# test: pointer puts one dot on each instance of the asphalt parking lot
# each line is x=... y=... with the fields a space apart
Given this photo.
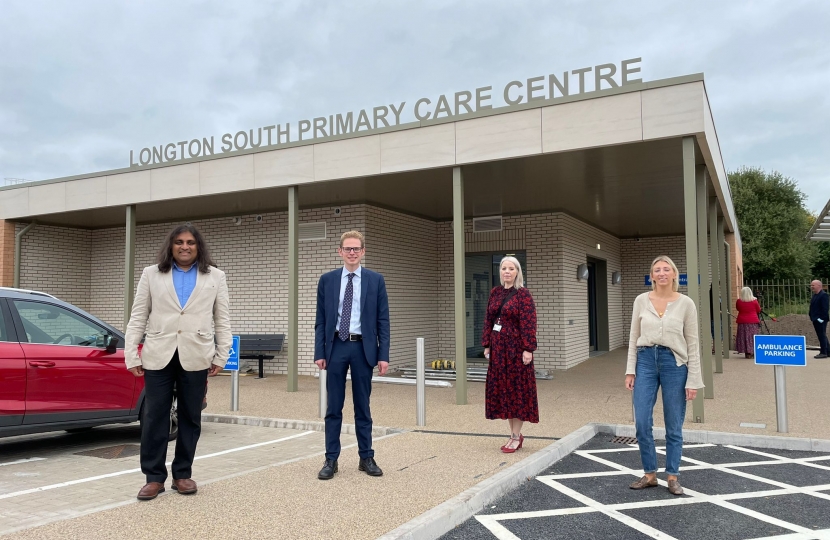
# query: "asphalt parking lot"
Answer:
x=55 y=476
x=732 y=493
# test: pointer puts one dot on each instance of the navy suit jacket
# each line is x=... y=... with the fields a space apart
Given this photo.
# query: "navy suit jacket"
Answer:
x=820 y=306
x=374 y=315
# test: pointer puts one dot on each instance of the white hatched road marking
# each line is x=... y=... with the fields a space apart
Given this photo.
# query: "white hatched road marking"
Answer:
x=130 y=471
x=492 y=521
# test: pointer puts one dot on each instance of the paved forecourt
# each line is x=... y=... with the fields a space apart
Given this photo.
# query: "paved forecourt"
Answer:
x=55 y=476
x=732 y=492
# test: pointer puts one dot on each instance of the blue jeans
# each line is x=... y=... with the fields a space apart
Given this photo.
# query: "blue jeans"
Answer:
x=657 y=367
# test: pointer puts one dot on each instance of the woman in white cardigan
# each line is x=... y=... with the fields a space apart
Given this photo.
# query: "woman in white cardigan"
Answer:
x=663 y=352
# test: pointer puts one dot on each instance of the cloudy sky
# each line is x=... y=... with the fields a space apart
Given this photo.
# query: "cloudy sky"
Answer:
x=84 y=82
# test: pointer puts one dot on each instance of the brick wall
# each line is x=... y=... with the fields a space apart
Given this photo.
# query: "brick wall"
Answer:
x=405 y=250
x=6 y=253
x=56 y=260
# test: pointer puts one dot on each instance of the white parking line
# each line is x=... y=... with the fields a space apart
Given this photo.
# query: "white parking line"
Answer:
x=27 y=460
x=130 y=471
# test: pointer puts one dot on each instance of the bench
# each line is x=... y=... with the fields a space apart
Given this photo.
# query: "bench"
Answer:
x=259 y=344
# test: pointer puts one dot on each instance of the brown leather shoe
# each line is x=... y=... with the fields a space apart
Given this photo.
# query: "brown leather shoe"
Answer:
x=674 y=487
x=643 y=483
x=184 y=486
x=150 y=491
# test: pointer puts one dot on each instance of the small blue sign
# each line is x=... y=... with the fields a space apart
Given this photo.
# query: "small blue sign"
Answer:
x=233 y=360
x=684 y=280
x=780 y=350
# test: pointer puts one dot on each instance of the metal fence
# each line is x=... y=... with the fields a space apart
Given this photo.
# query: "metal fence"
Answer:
x=779 y=297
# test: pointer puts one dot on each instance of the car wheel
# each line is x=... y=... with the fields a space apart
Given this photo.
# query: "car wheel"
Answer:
x=79 y=430
x=174 y=423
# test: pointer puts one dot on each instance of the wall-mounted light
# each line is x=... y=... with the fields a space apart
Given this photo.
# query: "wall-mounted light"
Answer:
x=582 y=272
x=598 y=247
x=616 y=278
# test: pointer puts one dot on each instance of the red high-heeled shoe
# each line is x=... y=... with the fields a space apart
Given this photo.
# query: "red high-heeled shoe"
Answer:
x=507 y=450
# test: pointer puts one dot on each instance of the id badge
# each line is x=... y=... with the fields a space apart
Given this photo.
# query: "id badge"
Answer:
x=497 y=327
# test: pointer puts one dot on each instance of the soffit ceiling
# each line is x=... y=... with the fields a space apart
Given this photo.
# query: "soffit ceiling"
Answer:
x=628 y=190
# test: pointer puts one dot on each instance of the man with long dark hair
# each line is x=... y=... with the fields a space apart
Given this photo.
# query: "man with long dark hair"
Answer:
x=180 y=304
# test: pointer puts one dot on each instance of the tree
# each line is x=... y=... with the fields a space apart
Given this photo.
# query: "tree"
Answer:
x=773 y=223
x=821 y=264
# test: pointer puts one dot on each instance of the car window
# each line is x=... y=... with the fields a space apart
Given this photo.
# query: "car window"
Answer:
x=50 y=324
x=3 y=334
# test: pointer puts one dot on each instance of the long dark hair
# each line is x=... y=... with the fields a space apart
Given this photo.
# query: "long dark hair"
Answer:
x=203 y=260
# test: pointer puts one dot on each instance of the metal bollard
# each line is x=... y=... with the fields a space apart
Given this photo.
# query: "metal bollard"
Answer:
x=420 y=383
x=781 y=399
x=234 y=390
x=324 y=396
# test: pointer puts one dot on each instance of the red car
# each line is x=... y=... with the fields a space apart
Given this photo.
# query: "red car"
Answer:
x=62 y=369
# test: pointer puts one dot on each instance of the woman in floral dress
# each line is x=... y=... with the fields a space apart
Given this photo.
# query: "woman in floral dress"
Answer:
x=509 y=341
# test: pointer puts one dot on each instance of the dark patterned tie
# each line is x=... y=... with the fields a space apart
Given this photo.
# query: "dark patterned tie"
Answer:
x=346 y=315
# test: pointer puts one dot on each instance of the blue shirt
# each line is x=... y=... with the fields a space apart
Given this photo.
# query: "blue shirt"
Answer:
x=184 y=282
x=354 y=324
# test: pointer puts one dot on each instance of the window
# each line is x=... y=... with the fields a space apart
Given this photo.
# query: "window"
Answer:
x=54 y=325
x=3 y=333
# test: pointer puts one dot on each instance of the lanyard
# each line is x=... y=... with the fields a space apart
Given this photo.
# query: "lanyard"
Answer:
x=507 y=297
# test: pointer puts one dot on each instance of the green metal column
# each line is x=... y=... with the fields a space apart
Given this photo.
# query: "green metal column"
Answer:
x=701 y=178
x=690 y=218
x=458 y=286
x=728 y=296
x=129 y=264
x=18 y=250
x=293 y=286
x=724 y=288
x=717 y=308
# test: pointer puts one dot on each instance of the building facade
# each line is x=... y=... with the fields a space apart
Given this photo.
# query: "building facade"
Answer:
x=600 y=183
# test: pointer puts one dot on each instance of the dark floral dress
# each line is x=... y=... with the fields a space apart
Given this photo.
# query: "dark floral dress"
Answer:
x=511 y=385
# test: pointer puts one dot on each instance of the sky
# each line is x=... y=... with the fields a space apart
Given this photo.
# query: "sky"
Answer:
x=84 y=82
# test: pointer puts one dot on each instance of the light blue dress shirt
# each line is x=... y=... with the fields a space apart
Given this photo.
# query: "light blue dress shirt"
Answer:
x=354 y=323
x=184 y=282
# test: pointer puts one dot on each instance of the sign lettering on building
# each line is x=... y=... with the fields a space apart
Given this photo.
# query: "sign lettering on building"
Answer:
x=553 y=86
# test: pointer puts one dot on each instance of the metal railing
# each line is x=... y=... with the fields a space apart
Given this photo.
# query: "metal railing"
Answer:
x=780 y=297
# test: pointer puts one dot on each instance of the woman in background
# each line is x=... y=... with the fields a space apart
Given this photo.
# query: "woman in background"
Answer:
x=509 y=339
x=748 y=322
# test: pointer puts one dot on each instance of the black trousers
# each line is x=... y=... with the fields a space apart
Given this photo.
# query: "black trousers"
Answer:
x=155 y=426
x=821 y=333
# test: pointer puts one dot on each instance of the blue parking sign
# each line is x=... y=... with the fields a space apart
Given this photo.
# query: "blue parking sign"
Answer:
x=683 y=280
x=780 y=350
x=233 y=360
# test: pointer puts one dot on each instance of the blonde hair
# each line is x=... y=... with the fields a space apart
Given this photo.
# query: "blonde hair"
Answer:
x=675 y=282
x=746 y=295
x=351 y=234
x=519 y=282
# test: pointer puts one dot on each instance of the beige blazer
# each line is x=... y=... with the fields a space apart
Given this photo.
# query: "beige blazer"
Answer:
x=170 y=326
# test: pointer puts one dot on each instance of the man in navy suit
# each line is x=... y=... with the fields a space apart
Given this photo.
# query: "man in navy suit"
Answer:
x=819 y=313
x=351 y=333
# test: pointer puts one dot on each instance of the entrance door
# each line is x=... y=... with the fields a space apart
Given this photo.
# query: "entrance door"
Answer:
x=592 y=306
